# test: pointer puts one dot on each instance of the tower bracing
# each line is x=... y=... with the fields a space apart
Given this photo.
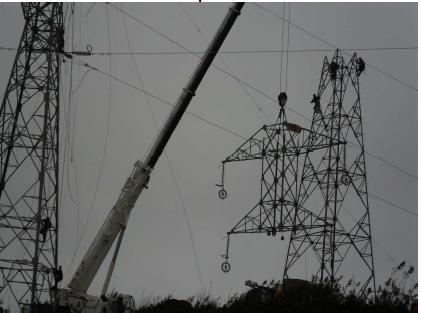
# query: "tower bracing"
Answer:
x=280 y=149
x=29 y=124
x=339 y=172
x=314 y=182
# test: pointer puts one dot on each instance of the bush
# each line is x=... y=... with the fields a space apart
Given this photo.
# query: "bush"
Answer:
x=302 y=296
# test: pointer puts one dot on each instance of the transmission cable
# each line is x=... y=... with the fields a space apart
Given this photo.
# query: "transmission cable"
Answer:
x=178 y=189
x=89 y=9
x=382 y=249
x=219 y=68
x=85 y=64
x=392 y=204
x=82 y=80
x=104 y=151
x=333 y=46
x=106 y=53
x=214 y=124
x=223 y=61
x=210 y=122
x=69 y=143
x=198 y=56
x=233 y=76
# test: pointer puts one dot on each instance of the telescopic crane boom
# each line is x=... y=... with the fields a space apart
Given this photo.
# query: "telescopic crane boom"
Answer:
x=118 y=217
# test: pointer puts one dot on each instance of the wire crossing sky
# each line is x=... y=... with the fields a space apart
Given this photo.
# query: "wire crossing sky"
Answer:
x=165 y=45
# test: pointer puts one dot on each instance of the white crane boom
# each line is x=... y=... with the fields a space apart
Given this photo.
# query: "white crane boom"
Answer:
x=118 y=217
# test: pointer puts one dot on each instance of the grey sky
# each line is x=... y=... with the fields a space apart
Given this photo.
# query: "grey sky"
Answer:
x=156 y=257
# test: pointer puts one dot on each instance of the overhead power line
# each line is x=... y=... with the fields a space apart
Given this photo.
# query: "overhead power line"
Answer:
x=195 y=115
x=214 y=124
x=333 y=46
x=222 y=59
x=264 y=51
x=238 y=79
x=252 y=51
x=393 y=204
x=95 y=69
x=172 y=172
x=107 y=130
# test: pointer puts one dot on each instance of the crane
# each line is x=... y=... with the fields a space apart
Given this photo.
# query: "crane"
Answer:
x=114 y=226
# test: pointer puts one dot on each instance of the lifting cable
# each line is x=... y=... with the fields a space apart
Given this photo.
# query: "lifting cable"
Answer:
x=223 y=61
x=213 y=65
x=81 y=63
x=286 y=70
x=104 y=152
x=282 y=46
x=68 y=142
x=178 y=189
x=286 y=6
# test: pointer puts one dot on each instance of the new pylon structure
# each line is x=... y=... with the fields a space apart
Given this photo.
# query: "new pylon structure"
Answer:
x=29 y=124
x=314 y=182
x=280 y=149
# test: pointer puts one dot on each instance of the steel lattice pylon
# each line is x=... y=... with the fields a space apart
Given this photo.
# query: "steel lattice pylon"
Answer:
x=281 y=149
x=315 y=187
x=340 y=174
x=29 y=123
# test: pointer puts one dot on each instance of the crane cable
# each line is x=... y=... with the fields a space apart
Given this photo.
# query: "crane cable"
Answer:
x=209 y=122
x=287 y=55
x=213 y=65
x=68 y=143
x=282 y=48
x=104 y=152
x=223 y=61
x=172 y=172
x=334 y=47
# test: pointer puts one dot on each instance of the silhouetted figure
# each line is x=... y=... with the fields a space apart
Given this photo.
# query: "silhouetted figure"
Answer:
x=58 y=276
x=282 y=99
x=333 y=68
x=361 y=66
x=316 y=101
x=60 y=39
x=45 y=226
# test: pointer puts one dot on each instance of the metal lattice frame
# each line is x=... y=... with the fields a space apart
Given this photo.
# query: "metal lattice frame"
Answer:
x=29 y=124
x=281 y=149
x=313 y=182
x=339 y=173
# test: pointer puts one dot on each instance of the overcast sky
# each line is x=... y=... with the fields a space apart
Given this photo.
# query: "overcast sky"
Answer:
x=156 y=257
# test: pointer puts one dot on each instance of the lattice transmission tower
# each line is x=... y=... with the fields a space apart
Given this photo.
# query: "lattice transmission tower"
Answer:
x=280 y=148
x=340 y=174
x=313 y=181
x=29 y=124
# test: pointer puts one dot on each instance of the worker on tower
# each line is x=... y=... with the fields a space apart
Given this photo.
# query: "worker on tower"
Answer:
x=58 y=276
x=316 y=101
x=361 y=66
x=60 y=42
x=333 y=68
x=60 y=39
x=282 y=99
x=45 y=226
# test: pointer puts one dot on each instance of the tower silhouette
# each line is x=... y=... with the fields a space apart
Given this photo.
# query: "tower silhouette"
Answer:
x=313 y=181
x=29 y=123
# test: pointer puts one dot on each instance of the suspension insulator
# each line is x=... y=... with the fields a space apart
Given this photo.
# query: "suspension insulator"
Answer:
x=345 y=179
x=225 y=267
x=222 y=194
